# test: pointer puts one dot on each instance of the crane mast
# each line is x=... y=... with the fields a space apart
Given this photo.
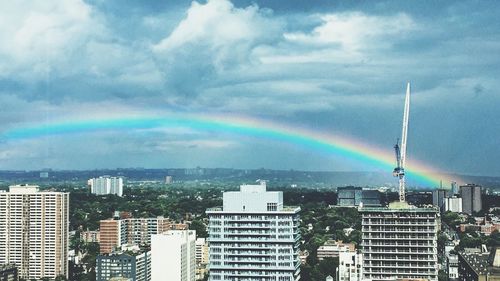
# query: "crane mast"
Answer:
x=399 y=171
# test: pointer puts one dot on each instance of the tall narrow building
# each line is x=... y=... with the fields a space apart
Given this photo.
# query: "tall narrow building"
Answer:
x=253 y=237
x=399 y=242
x=34 y=231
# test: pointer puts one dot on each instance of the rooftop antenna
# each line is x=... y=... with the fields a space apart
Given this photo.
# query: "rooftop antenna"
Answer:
x=399 y=171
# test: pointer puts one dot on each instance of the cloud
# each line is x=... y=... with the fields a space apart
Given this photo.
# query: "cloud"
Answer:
x=213 y=40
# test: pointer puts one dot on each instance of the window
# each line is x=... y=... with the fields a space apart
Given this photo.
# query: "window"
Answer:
x=272 y=206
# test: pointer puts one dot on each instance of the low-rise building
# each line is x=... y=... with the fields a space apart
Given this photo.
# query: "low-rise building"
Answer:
x=478 y=265
x=90 y=236
x=8 y=272
x=129 y=263
x=331 y=249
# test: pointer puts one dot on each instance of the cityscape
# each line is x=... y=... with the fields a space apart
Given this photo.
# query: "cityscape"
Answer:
x=242 y=140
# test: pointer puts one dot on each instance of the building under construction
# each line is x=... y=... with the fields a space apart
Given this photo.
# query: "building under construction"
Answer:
x=400 y=241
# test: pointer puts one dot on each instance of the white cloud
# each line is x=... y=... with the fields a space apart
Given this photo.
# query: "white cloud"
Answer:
x=38 y=36
x=354 y=31
x=218 y=36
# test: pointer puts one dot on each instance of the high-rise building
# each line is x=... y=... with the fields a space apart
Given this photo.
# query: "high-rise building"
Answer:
x=173 y=256
x=399 y=241
x=438 y=198
x=8 y=273
x=453 y=204
x=34 y=231
x=201 y=256
x=134 y=265
x=134 y=231
x=106 y=185
x=253 y=237
x=350 y=196
x=350 y=266
x=471 y=198
x=111 y=235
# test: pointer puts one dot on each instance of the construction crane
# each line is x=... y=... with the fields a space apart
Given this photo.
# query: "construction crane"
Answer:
x=399 y=171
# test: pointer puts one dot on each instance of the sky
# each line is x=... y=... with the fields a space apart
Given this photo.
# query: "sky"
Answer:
x=339 y=67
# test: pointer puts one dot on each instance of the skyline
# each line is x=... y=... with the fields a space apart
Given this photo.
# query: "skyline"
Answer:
x=334 y=69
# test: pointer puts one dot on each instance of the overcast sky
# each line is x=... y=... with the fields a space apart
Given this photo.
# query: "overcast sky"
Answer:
x=334 y=66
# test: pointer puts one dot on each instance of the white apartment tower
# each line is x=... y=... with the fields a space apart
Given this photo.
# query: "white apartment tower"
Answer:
x=173 y=256
x=34 y=231
x=106 y=185
x=399 y=242
x=253 y=237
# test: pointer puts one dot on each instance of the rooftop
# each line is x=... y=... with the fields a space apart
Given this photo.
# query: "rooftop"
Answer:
x=399 y=207
x=480 y=263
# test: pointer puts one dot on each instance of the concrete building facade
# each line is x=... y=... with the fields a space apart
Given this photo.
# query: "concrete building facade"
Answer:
x=399 y=242
x=254 y=237
x=471 y=198
x=173 y=256
x=34 y=231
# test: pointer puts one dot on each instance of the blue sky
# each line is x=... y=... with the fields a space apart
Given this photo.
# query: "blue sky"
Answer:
x=338 y=66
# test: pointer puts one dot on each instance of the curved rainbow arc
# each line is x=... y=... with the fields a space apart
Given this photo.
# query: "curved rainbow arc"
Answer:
x=342 y=146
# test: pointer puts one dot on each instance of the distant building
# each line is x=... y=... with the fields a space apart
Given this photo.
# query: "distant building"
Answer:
x=454 y=189
x=34 y=231
x=90 y=236
x=399 y=242
x=8 y=273
x=132 y=265
x=44 y=175
x=332 y=249
x=303 y=256
x=106 y=185
x=471 y=198
x=478 y=266
x=350 y=266
x=169 y=179
x=173 y=256
x=201 y=255
x=438 y=198
x=350 y=196
x=134 y=231
x=453 y=204
x=254 y=237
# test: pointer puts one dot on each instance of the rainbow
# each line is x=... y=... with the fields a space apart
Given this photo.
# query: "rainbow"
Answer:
x=348 y=148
